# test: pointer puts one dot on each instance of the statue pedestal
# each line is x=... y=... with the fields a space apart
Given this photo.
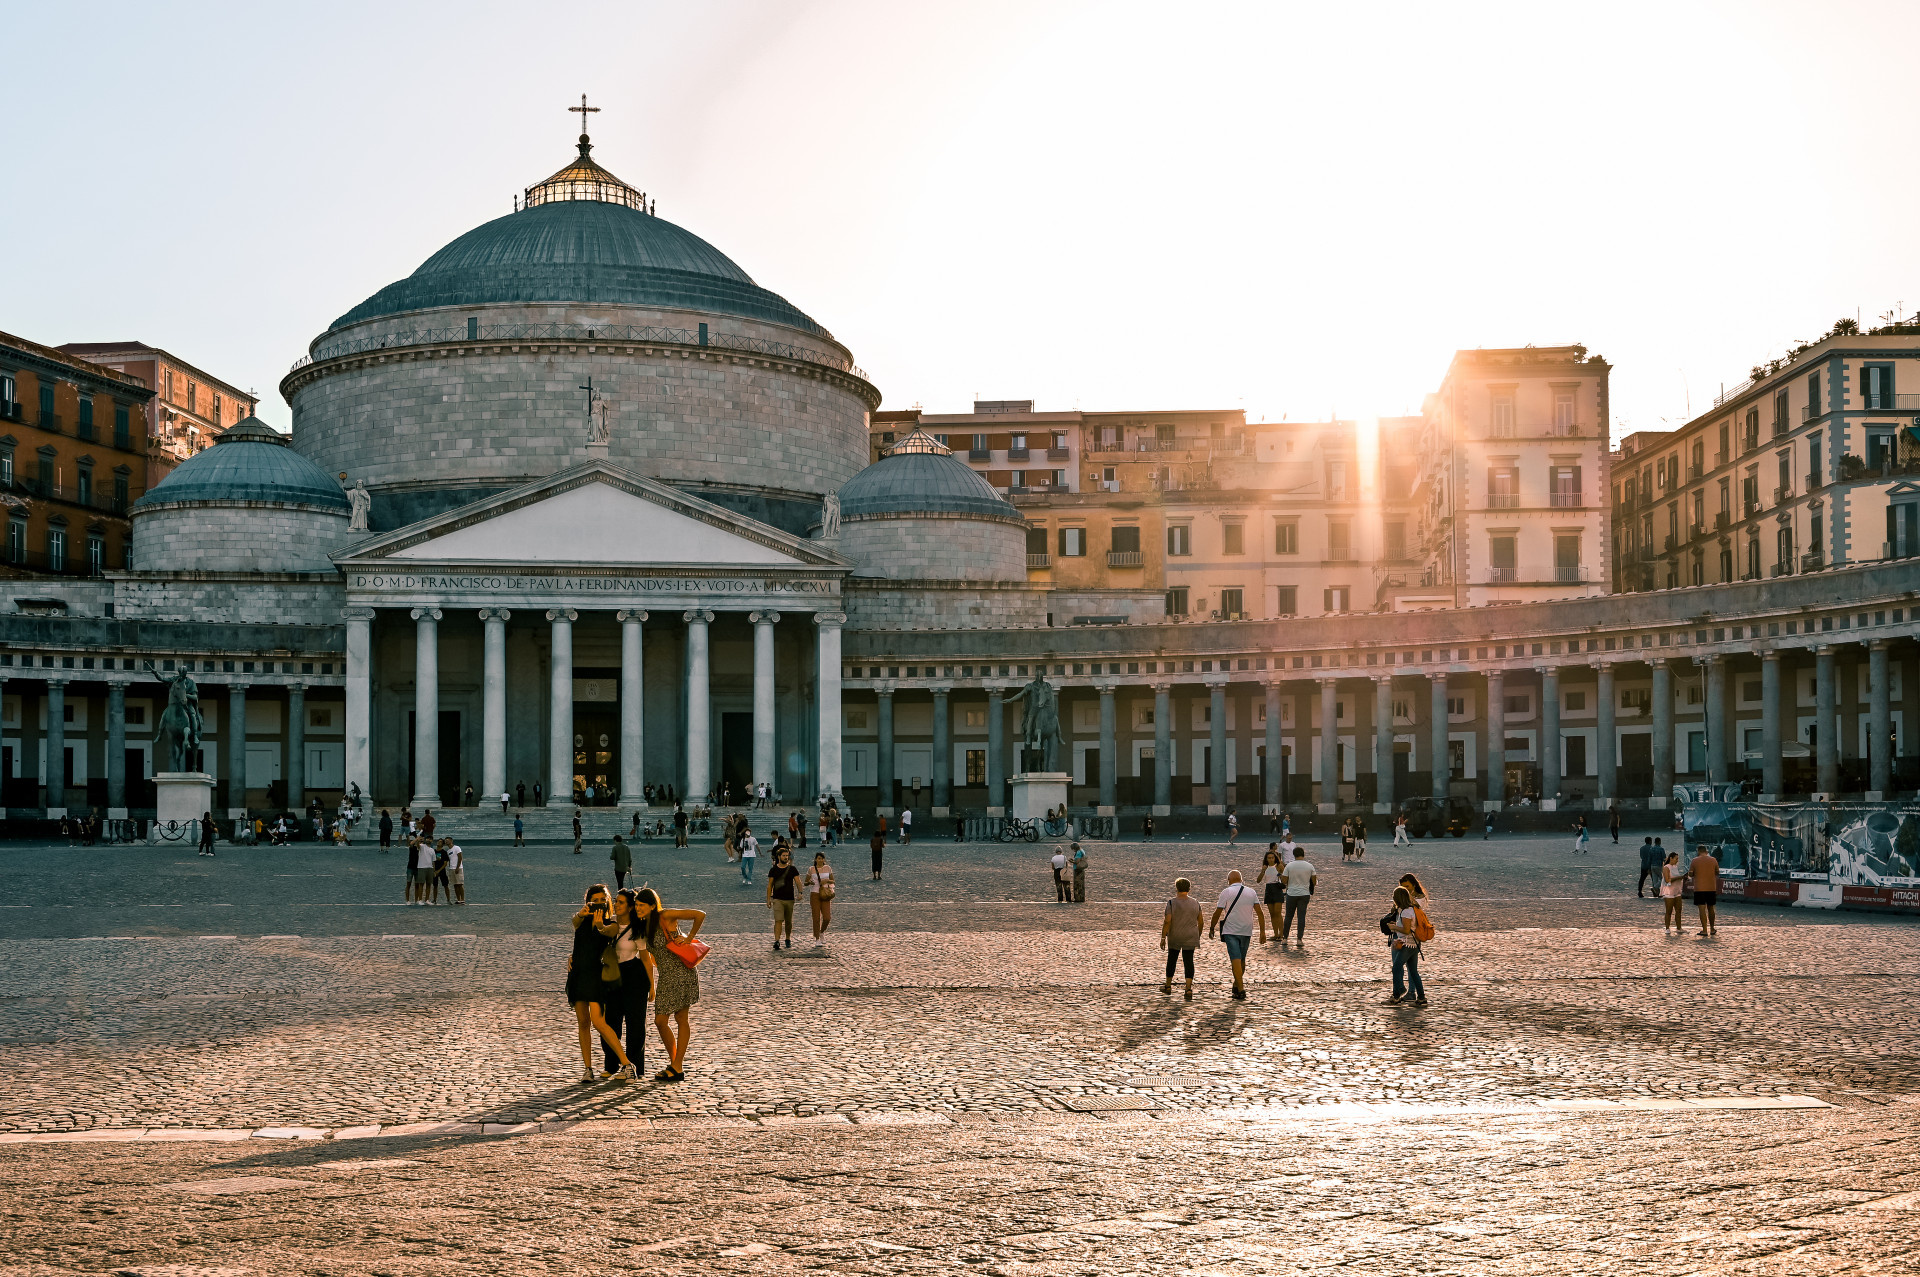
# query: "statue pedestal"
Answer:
x=1035 y=792
x=597 y=451
x=181 y=796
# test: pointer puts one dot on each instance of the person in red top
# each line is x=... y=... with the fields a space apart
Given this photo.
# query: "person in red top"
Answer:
x=1705 y=872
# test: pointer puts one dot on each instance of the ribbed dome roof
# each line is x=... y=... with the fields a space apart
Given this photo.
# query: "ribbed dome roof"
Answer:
x=919 y=481
x=250 y=461
x=582 y=250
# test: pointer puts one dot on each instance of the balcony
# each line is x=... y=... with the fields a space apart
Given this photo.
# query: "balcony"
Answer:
x=1783 y=569
x=1125 y=559
x=1693 y=471
x=1163 y=445
x=1035 y=489
x=1782 y=495
x=68 y=564
x=1891 y=403
x=1107 y=445
x=1039 y=561
x=1568 y=574
x=105 y=502
x=1503 y=501
x=1813 y=561
x=1017 y=454
x=12 y=411
x=1059 y=454
x=1566 y=500
x=1721 y=519
x=49 y=421
x=1815 y=483
x=1889 y=550
x=979 y=454
x=1751 y=507
x=1502 y=576
x=1667 y=543
x=1563 y=430
x=1812 y=412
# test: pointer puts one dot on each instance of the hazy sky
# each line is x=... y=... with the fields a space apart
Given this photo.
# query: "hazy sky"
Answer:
x=1291 y=209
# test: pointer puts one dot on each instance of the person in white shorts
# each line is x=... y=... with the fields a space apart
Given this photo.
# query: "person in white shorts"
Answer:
x=457 y=872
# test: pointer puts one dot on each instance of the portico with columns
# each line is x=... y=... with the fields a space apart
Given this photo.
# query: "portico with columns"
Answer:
x=529 y=641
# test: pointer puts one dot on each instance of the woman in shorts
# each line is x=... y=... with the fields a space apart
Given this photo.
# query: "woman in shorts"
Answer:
x=820 y=893
x=1673 y=881
x=1271 y=878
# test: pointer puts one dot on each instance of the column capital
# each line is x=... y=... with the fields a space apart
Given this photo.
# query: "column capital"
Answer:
x=829 y=620
x=239 y=687
x=633 y=614
x=425 y=613
x=1161 y=686
x=697 y=616
x=1713 y=658
x=495 y=614
x=1547 y=671
x=995 y=691
x=1216 y=682
x=53 y=681
x=942 y=689
x=1770 y=654
x=297 y=686
x=1326 y=680
x=356 y=613
x=884 y=688
x=561 y=615
x=1437 y=676
x=1497 y=672
x=1107 y=686
x=1879 y=645
x=1602 y=667
x=1385 y=680
x=120 y=684
x=764 y=618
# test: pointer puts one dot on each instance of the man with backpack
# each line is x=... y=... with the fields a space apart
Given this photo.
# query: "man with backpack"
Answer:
x=1235 y=917
x=1406 y=927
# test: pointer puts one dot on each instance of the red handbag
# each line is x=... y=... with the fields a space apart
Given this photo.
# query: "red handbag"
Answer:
x=689 y=950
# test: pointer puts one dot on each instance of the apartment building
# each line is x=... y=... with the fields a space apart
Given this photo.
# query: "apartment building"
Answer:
x=1811 y=463
x=1513 y=476
x=72 y=459
x=189 y=407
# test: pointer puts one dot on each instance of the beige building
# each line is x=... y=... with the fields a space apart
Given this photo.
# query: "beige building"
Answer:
x=1812 y=463
x=1512 y=480
x=189 y=407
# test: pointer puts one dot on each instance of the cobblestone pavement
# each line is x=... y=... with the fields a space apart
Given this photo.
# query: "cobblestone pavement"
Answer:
x=1831 y=1191
x=994 y=1083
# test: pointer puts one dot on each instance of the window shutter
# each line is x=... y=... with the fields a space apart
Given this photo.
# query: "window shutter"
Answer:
x=1575 y=472
x=1063 y=543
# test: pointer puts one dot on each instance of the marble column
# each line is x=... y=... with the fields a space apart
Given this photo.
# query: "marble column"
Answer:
x=1879 y=723
x=700 y=704
x=297 y=746
x=235 y=748
x=1549 y=738
x=1772 y=773
x=763 y=731
x=1603 y=753
x=426 y=706
x=359 y=726
x=883 y=764
x=1217 y=743
x=493 y=702
x=1497 y=738
x=53 y=769
x=1716 y=717
x=1437 y=730
x=1109 y=751
x=829 y=624
x=1163 y=749
x=1276 y=773
x=633 y=732
x=117 y=749
x=1384 y=797
x=942 y=754
x=1329 y=746
x=996 y=753
x=560 y=709
x=1826 y=738
x=1663 y=735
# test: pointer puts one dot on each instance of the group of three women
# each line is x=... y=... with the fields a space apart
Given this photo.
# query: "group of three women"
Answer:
x=631 y=934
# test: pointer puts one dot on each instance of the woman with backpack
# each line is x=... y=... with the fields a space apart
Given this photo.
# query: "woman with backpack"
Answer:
x=1407 y=927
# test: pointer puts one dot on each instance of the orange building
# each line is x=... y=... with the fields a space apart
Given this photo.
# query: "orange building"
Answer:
x=73 y=457
x=189 y=408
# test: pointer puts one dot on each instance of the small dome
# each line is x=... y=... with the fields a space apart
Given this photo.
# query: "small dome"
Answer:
x=920 y=476
x=249 y=461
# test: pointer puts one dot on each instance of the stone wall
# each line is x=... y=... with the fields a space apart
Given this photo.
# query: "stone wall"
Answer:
x=453 y=415
x=243 y=598
x=951 y=606
x=935 y=548
x=250 y=536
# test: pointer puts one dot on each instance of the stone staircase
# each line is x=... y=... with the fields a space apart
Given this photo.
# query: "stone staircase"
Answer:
x=598 y=825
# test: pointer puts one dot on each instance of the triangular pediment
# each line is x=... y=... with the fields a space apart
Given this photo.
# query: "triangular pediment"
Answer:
x=595 y=514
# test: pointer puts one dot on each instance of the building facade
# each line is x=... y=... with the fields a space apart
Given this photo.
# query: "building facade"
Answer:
x=1812 y=463
x=72 y=462
x=188 y=409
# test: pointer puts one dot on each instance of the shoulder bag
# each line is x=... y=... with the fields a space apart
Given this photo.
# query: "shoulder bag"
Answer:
x=689 y=950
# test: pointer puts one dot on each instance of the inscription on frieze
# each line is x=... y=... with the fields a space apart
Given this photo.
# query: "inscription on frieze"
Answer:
x=469 y=583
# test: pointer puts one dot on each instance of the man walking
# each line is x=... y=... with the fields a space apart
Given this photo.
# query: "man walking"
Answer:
x=386 y=831
x=1649 y=866
x=1234 y=918
x=1613 y=822
x=749 y=849
x=519 y=830
x=906 y=826
x=622 y=858
x=1705 y=872
x=1300 y=878
x=1489 y=833
x=1062 y=893
x=576 y=832
x=206 y=833
x=780 y=895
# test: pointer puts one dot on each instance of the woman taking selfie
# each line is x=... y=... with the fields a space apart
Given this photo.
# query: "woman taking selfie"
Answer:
x=587 y=990
x=676 y=985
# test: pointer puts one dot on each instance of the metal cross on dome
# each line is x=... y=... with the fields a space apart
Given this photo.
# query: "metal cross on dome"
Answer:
x=584 y=111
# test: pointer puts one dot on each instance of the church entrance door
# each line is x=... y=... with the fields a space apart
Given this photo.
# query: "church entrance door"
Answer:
x=736 y=754
x=596 y=750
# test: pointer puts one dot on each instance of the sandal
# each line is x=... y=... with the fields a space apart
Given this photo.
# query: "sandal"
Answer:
x=679 y=1075
x=664 y=1075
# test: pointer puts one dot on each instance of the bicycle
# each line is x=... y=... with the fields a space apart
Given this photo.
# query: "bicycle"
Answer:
x=1013 y=827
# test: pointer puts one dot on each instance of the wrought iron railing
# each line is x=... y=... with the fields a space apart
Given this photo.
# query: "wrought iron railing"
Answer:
x=616 y=333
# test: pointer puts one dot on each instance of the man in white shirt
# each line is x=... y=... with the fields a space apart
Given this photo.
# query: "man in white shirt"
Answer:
x=1300 y=879
x=1235 y=917
x=457 y=872
x=1062 y=892
x=906 y=826
x=422 y=871
x=749 y=848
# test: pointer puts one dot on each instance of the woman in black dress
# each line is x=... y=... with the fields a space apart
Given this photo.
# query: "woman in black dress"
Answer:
x=587 y=993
